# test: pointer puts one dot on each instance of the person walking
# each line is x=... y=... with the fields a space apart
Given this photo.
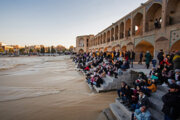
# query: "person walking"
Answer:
x=148 y=59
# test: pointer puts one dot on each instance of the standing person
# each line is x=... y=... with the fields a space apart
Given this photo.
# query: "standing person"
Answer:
x=148 y=59
x=132 y=57
x=156 y=23
x=104 y=54
x=176 y=60
x=160 y=56
x=171 y=102
x=154 y=62
x=126 y=56
x=140 y=58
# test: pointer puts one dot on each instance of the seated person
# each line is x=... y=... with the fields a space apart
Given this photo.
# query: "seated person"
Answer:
x=154 y=76
x=175 y=78
x=139 y=79
x=103 y=74
x=142 y=101
x=134 y=96
x=120 y=72
x=142 y=114
x=86 y=68
x=99 y=81
x=127 y=94
x=152 y=86
x=120 y=91
x=125 y=65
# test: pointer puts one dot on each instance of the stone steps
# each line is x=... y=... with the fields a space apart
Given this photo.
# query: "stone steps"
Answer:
x=156 y=115
x=163 y=88
x=123 y=107
x=107 y=112
x=156 y=104
x=118 y=112
x=109 y=84
x=158 y=94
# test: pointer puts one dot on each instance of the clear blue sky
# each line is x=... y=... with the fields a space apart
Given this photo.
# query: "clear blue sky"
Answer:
x=53 y=22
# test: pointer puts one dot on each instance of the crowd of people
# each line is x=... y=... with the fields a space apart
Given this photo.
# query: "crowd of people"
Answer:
x=99 y=64
x=167 y=73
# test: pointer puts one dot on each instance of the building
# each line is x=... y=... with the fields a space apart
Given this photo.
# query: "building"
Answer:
x=82 y=43
x=153 y=26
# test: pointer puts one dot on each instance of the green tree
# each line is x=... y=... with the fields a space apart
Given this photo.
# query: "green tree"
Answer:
x=52 y=49
x=49 y=50
x=71 y=48
x=11 y=50
x=22 y=51
x=31 y=50
x=42 y=50
x=38 y=51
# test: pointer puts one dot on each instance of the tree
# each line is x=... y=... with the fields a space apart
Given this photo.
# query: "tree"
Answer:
x=52 y=49
x=22 y=50
x=42 y=50
x=49 y=50
x=71 y=48
x=60 y=48
x=31 y=50
x=11 y=50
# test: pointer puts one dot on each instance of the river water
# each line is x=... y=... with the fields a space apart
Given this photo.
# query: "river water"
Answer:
x=47 y=88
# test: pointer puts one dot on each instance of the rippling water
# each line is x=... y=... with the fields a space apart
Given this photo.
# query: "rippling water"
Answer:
x=48 y=88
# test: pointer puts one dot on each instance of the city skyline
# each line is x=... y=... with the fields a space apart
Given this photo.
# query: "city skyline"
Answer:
x=57 y=22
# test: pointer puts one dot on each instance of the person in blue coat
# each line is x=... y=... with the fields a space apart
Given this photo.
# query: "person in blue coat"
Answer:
x=142 y=114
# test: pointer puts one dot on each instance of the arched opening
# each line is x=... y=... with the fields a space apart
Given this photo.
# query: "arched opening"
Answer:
x=116 y=32
x=128 y=28
x=130 y=46
x=81 y=51
x=173 y=12
x=138 y=24
x=112 y=34
x=176 y=46
x=105 y=49
x=124 y=48
x=81 y=43
x=114 y=48
x=143 y=46
x=108 y=36
x=162 y=43
x=154 y=17
x=122 y=30
x=104 y=37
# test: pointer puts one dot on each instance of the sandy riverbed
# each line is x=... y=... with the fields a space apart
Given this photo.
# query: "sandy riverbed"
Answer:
x=47 y=88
